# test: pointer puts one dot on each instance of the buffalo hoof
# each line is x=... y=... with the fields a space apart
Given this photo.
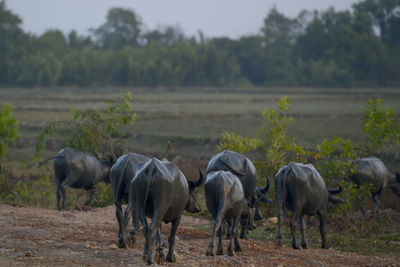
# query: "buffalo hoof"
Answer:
x=171 y=257
x=304 y=245
x=220 y=251
x=121 y=244
x=238 y=247
x=160 y=257
x=296 y=246
x=231 y=253
x=210 y=251
x=324 y=246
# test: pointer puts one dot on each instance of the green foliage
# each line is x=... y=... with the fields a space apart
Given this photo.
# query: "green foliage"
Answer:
x=236 y=142
x=352 y=194
x=381 y=127
x=97 y=131
x=9 y=130
x=36 y=189
x=334 y=159
x=103 y=196
x=278 y=148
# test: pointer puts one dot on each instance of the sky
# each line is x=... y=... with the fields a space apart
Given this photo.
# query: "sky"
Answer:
x=215 y=18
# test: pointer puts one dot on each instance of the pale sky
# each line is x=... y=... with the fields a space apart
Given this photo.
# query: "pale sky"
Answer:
x=216 y=18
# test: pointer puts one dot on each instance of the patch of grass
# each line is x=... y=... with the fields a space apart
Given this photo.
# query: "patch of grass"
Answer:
x=376 y=235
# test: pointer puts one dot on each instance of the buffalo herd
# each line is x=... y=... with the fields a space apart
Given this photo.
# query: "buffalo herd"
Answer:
x=156 y=189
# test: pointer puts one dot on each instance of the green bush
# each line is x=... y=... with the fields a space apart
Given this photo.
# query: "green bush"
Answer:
x=34 y=188
x=97 y=131
x=381 y=128
x=9 y=130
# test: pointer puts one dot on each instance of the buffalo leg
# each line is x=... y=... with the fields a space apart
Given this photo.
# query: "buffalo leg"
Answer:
x=293 y=221
x=322 y=228
x=135 y=227
x=243 y=232
x=154 y=225
x=377 y=200
x=171 y=240
x=89 y=197
x=233 y=237
x=217 y=226
x=220 y=249
x=60 y=196
x=160 y=253
x=118 y=214
x=303 y=234
x=125 y=220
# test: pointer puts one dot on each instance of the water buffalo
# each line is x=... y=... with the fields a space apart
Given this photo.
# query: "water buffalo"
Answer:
x=161 y=192
x=301 y=189
x=78 y=169
x=244 y=169
x=225 y=201
x=122 y=173
x=372 y=171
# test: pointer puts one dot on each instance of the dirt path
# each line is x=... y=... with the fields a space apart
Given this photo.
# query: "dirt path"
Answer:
x=43 y=237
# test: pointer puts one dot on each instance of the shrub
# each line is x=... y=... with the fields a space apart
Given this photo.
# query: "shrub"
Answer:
x=93 y=130
x=9 y=130
x=381 y=127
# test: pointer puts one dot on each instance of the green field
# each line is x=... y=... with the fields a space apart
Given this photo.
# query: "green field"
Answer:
x=193 y=119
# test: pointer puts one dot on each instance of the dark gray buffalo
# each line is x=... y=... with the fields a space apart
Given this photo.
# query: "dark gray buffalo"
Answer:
x=78 y=169
x=122 y=173
x=301 y=189
x=225 y=201
x=244 y=169
x=161 y=192
x=372 y=171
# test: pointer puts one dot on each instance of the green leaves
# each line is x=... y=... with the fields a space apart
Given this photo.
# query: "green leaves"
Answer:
x=235 y=142
x=9 y=130
x=335 y=159
x=98 y=131
x=381 y=127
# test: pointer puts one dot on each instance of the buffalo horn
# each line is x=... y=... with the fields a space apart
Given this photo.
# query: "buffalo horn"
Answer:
x=335 y=191
x=264 y=190
x=198 y=182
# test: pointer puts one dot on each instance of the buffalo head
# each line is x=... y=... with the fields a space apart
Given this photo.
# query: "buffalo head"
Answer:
x=192 y=204
x=334 y=200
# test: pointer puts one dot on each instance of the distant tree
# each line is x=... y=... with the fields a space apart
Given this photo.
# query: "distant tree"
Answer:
x=279 y=34
x=384 y=13
x=13 y=43
x=165 y=35
x=78 y=42
x=123 y=27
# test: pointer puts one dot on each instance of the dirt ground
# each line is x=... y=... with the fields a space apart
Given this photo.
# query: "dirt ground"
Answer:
x=45 y=237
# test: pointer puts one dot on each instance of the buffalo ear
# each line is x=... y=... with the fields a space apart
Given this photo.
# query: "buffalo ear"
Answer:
x=336 y=200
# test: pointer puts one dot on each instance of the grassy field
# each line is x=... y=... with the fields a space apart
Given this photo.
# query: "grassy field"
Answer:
x=195 y=118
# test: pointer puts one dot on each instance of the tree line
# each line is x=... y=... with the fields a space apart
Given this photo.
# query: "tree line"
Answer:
x=352 y=48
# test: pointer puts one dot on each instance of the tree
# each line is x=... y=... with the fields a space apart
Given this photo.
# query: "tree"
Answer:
x=123 y=27
x=12 y=45
x=279 y=34
x=9 y=130
x=383 y=13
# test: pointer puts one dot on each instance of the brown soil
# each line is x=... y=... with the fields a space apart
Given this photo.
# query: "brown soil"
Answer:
x=44 y=237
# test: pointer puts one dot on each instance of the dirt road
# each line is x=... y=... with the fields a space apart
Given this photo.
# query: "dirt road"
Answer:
x=44 y=237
